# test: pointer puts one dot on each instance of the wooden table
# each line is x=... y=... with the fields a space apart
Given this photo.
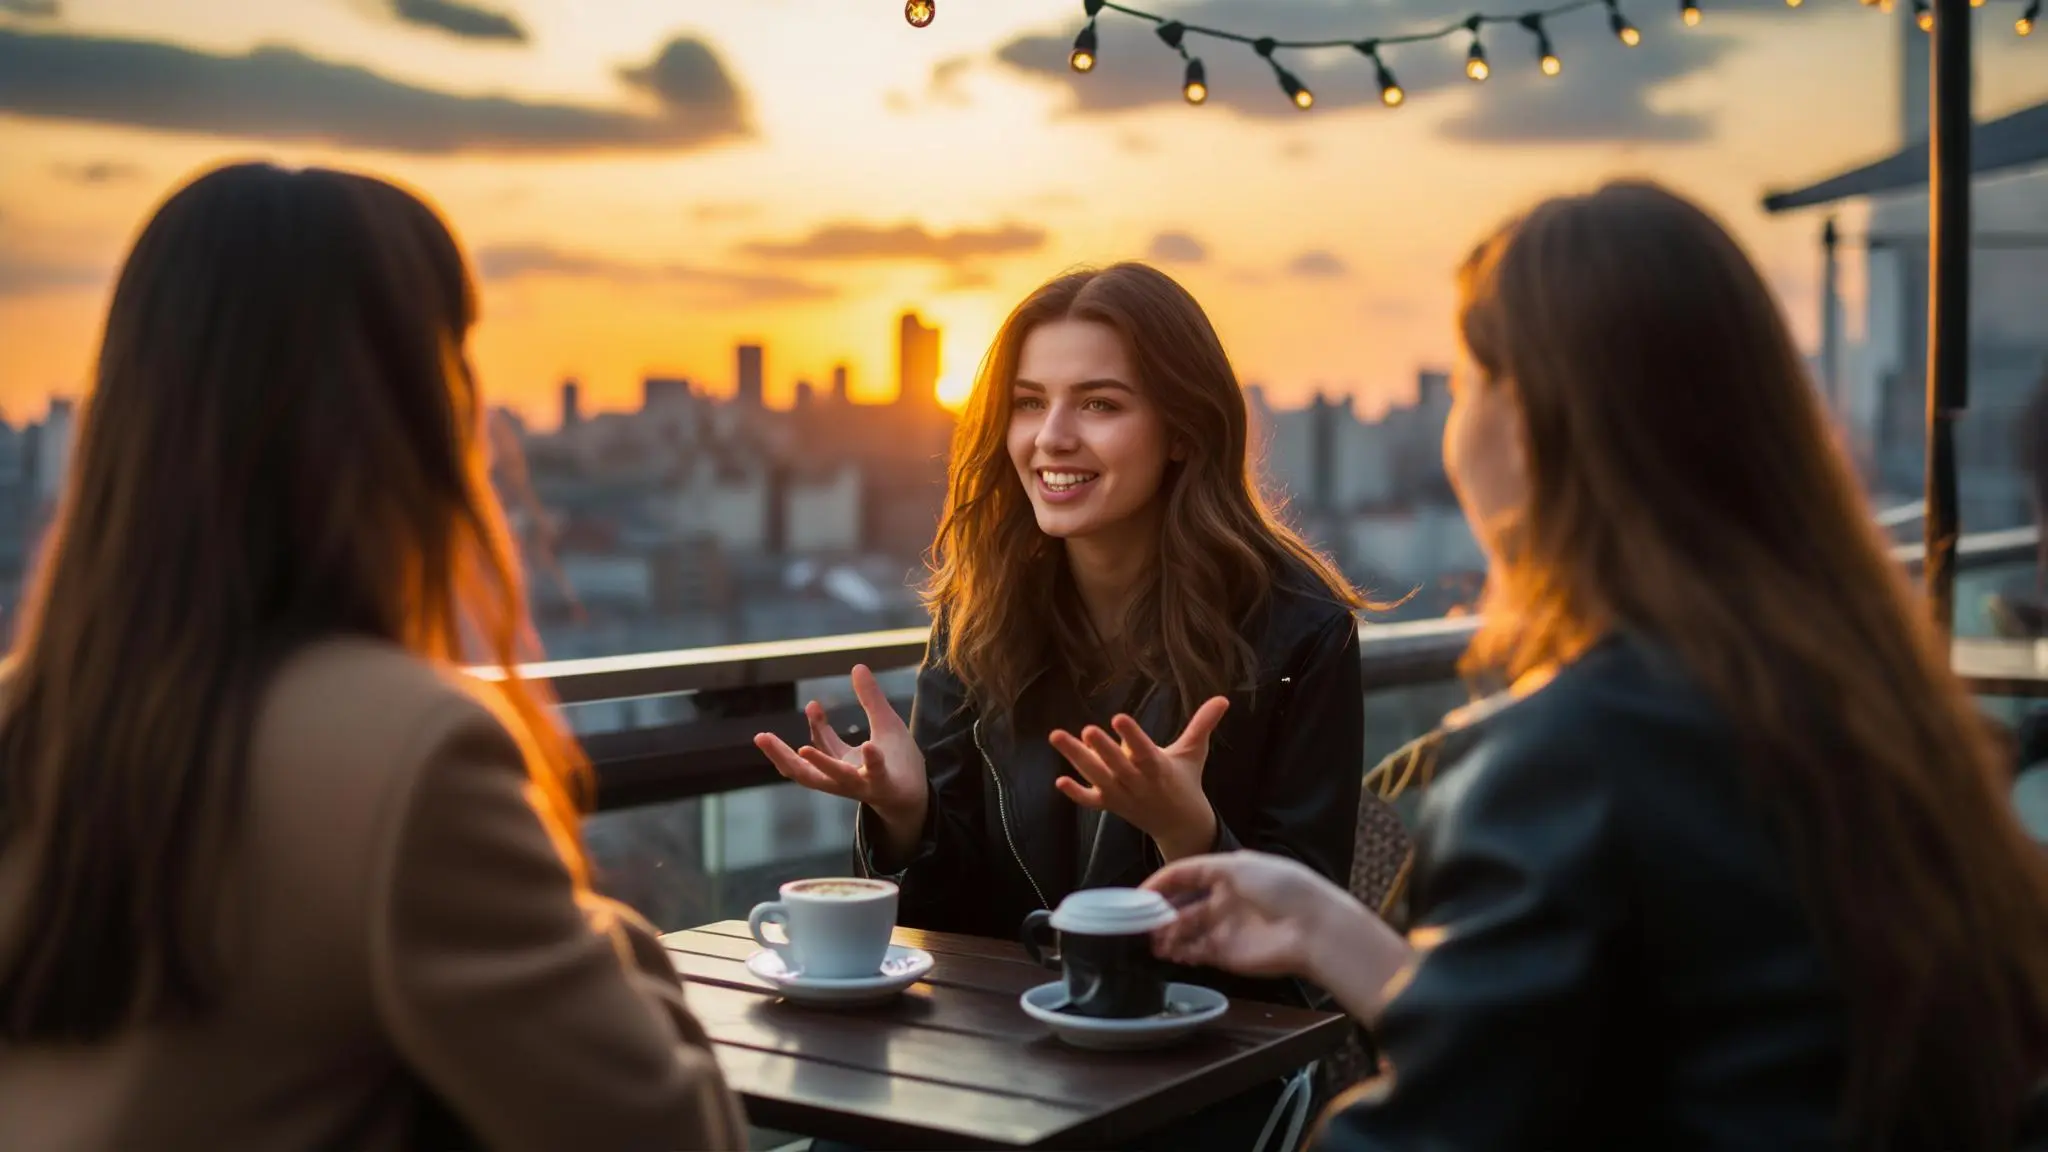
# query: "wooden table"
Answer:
x=955 y=1063
x=1999 y=667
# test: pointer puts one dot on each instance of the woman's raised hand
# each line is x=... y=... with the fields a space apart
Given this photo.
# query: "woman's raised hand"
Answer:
x=1159 y=790
x=886 y=773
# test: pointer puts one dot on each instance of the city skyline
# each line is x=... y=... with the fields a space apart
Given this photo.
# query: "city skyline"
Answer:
x=641 y=194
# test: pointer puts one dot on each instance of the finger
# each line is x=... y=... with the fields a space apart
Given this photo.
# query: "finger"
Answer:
x=1080 y=793
x=882 y=715
x=872 y=761
x=1082 y=757
x=822 y=733
x=846 y=778
x=1135 y=738
x=794 y=767
x=1109 y=751
x=1184 y=877
x=1203 y=723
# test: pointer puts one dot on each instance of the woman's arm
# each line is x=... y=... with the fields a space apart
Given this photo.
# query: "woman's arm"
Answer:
x=943 y=862
x=543 y=1015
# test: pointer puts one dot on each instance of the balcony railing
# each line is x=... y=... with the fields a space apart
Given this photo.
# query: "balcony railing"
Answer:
x=738 y=690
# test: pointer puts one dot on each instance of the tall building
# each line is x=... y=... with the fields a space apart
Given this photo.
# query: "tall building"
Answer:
x=917 y=363
x=664 y=392
x=749 y=392
x=838 y=395
x=572 y=403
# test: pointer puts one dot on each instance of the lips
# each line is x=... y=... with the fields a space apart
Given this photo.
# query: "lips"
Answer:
x=1057 y=480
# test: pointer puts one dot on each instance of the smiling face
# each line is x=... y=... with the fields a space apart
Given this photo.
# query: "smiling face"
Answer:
x=1087 y=443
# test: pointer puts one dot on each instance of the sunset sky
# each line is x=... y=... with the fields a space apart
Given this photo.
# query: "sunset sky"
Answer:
x=642 y=183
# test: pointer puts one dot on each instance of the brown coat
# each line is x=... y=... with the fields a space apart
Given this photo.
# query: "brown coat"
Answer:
x=403 y=918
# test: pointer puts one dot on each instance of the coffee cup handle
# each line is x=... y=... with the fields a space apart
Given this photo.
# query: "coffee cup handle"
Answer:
x=771 y=912
x=1038 y=949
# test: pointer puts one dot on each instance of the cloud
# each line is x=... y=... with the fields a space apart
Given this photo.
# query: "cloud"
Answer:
x=688 y=76
x=1177 y=248
x=40 y=9
x=851 y=241
x=20 y=276
x=1317 y=265
x=1604 y=93
x=459 y=19
x=277 y=93
x=97 y=172
x=515 y=261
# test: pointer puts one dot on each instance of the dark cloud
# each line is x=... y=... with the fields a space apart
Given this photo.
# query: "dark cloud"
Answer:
x=716 y=286
x=275 y=93
x=687 y=76
x=459 y=19
x=902 y=242
x=40 y=9
x=1602 y=93
x=97 y=172
x=21 y=276
x=1317 y=265
x=1177 y=248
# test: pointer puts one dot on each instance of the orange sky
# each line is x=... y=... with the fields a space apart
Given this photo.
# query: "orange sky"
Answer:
x=612 y=263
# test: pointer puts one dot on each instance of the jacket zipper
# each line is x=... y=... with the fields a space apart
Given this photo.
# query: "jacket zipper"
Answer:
x=1102 y=818
x=1003 y=815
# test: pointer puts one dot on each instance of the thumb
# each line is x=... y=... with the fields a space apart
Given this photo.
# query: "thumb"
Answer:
x=1195 y=737
x=868 y=690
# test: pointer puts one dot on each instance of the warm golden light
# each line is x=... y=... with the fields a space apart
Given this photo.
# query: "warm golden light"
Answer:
x=1792 y=3
x=1476 y=69
x=1195 y=93
x=1082 y=60
x=920 y=12
x=1392 y=95
x=1692 y=17
x=1630 y=36
x=1304 y=99
x=1925 y=18
x=1551 y=64
x=2023 y=26
x=954 y=389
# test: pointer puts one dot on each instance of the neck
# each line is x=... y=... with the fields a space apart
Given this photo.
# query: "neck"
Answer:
x=1108 y=570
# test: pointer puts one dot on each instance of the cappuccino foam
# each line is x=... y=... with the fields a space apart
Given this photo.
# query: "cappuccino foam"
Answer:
x=838 y=889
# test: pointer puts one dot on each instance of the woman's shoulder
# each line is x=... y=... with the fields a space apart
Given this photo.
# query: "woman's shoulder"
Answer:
x=1301 y=607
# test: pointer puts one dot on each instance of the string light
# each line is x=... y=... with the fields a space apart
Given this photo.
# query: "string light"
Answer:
x=1195 y=81
x=1475 y=56
x=1390 y=89
x=1546 y=57
x=1923 y=15
x=1623 y=30
x=920 y=12
x=1082 y=58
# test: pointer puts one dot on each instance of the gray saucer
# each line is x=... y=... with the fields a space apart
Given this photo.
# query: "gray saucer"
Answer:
x=1188 y=1008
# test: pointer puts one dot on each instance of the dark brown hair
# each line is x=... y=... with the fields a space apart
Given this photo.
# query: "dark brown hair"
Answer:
x=282 y=445
x=999 y=583
x=1683 y=482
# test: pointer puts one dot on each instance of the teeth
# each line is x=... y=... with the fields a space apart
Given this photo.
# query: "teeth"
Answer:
x=1061 y=481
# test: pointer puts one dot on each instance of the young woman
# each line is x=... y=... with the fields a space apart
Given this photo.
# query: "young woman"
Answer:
x=1730 y=865
x=272 y=873
x=1133 y=661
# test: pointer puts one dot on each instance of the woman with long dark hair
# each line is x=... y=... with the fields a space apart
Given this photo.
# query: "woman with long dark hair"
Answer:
x=273 y=874
x=1729 y=865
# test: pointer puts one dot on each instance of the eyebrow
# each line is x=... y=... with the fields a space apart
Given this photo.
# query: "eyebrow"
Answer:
x=1106 y=384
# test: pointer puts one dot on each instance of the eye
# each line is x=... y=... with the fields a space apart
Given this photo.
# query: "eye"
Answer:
x=1026 y=403
x=1098 y=404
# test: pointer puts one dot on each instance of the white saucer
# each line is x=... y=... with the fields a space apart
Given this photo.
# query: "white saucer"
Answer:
x=901 y=968
x=1188 y=1008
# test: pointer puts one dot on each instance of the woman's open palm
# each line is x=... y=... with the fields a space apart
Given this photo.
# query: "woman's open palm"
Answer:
x=886 y=772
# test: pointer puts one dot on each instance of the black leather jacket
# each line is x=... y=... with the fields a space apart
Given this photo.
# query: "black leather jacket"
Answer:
x=1621 y=956
x=1000 y=840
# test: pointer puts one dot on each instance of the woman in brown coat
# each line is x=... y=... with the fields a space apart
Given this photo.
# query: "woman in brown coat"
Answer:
x=273 y=873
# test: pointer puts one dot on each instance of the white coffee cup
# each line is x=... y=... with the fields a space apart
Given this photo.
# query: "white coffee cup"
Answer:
x=833 y=927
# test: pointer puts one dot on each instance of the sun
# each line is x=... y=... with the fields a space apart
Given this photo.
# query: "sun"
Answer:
x=954 y=389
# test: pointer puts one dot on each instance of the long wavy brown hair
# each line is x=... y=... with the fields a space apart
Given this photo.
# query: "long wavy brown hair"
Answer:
x=1001 y=587
x=1683 y=482
x=283 y=445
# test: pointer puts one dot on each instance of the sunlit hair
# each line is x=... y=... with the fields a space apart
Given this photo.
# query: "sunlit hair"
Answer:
x=283 y=445
x=1683 y=483
x=1001 y=586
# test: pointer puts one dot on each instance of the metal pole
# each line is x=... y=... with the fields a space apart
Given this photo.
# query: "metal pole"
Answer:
x=1948 y=290
x=1830 y=323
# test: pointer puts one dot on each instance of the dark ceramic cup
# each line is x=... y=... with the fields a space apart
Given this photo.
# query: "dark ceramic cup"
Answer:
x=1104 y=953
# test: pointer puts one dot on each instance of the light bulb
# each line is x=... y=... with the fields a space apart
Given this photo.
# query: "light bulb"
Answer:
x=1923 y=15
x=1304 y=99
x=1391 y=95
x=1195 y=86
x=920 y=12
x=1624 y=31
x=1792 y=3
x=2024 y=25
x=1475 y=63
x=1083 y=57
x=1551 y=64
x=1691 y=14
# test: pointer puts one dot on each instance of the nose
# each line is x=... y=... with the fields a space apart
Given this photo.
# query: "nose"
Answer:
x=1058 y=433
